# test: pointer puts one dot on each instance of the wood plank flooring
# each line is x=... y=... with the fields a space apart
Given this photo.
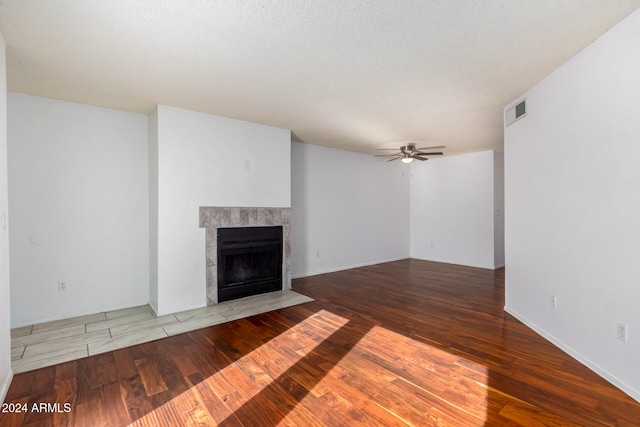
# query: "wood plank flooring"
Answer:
x=403 y=343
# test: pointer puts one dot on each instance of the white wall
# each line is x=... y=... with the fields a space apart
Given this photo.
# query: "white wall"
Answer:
x=206 y=160
x=348 y=209
x=498 y=209
x=5 y=321
x=573 y=206
x=153 y=209
x=452 y=209
x=78 y=196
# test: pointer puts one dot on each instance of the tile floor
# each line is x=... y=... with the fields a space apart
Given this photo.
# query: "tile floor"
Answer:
x=47 y=344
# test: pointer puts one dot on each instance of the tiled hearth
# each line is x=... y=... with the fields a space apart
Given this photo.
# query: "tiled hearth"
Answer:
x=212 y=218
x=50 y=343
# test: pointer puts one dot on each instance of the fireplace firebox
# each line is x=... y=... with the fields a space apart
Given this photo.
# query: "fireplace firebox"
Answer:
x=249 y=261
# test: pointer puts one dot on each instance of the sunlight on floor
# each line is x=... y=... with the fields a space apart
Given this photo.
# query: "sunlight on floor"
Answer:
x=375 y=363
x=377 y=372
x=254 y=371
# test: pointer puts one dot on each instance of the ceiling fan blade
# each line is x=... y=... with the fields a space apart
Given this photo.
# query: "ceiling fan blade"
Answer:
x=420 y=158
x=386 y=149
x=430 y=148
x=421 y=153
x=395 y=158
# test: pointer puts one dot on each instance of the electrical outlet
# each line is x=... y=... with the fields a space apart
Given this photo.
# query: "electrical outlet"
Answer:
x=62 y=286
x=554 y=301
x=622 y=332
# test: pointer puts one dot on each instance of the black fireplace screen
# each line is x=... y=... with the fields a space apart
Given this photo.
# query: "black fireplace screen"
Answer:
x=249 y=261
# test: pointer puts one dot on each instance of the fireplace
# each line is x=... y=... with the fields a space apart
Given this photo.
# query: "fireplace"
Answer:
x=249 y=261
x=214 y=218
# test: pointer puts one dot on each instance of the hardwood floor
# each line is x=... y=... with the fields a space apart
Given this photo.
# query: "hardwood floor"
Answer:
x=402 y=343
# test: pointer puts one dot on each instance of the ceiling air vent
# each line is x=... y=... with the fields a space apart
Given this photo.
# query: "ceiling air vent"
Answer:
x=516 y=112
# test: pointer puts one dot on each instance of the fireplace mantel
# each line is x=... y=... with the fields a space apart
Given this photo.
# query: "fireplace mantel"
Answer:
x=213 y=217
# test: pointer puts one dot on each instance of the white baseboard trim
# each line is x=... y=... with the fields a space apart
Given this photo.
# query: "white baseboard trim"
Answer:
x=485 y=267
x=333 y=270
x=626 y=388
x=4 y=388
x=346 y=267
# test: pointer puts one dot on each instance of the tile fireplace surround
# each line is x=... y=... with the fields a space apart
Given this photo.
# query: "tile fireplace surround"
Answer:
x=212 y=218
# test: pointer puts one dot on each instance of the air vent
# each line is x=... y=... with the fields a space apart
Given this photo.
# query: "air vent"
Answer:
x=516 y=112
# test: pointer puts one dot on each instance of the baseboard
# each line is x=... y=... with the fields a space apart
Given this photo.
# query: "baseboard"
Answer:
x=626 y=388
x=316 y=273
x=348 y=267
x=457 y=263
x=4 y=388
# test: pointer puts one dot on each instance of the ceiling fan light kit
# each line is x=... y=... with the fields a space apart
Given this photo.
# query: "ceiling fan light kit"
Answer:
x=409 y=152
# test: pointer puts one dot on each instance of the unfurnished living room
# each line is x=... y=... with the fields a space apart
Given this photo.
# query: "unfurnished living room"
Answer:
x=267 y=212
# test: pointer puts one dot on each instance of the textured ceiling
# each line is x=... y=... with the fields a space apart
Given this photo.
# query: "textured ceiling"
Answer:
x=351 y=74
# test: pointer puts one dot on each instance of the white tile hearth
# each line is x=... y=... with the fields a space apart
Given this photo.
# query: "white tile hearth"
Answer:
x=120 y=321
x=17 y=352
x=47 y=344
x=48 y=359
x=133 y=338
x=45 y=348
x=18 y=332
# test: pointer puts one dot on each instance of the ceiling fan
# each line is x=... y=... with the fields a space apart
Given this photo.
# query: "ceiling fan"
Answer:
x=409 y=152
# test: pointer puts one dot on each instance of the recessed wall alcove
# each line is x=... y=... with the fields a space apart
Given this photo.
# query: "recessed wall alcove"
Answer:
x=212 y=218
